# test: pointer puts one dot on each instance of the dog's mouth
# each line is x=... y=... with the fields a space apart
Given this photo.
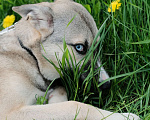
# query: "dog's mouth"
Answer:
x=64 y=83
x=57 y=82
x=71 y=79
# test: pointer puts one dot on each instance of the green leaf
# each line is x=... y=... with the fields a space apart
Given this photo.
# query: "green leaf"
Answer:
x=43 y=48
x=87 y=6
x=135 y=6
x=125 y=75
x=1 y=7
x=142 y=42
x=93 y=2
x=65 y=57
x=63 y=60
x=128 y=53
x=71 y=20
x=10 y=2
x=65 y=53
x=97 y=8
x=64 y=44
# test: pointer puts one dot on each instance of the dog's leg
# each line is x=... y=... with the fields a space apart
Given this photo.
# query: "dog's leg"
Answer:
x=57 y=95
x=66 y=111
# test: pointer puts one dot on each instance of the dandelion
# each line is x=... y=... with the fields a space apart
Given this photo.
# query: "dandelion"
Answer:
x=114 y=5
x=8 y=21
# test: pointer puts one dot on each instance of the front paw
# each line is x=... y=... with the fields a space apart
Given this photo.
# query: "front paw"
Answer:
x=59 y=94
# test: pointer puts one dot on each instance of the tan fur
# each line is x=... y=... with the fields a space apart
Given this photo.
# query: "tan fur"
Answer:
x=22 y=75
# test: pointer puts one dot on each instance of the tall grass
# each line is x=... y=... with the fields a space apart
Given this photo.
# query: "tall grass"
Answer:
x=71 y=71
x=125 y=53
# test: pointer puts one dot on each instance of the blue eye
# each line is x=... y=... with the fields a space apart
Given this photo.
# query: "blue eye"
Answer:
x=80 y=48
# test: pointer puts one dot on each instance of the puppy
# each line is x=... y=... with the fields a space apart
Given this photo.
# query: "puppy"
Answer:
x=24 y=72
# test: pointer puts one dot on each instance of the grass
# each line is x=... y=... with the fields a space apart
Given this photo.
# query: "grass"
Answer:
x=71 y=71
x=125 y=52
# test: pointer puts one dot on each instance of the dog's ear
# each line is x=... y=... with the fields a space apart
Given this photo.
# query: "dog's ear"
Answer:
x=40 y=17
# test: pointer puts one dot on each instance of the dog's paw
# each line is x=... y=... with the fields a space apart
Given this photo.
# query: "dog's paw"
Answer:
x=57 y=95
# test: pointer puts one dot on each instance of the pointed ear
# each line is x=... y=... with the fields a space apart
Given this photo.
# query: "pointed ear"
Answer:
x=40 y=17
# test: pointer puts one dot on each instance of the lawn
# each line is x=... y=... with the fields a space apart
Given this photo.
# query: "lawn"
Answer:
x=125 y=53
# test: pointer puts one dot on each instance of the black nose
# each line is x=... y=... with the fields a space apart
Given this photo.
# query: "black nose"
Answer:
x=106 y=85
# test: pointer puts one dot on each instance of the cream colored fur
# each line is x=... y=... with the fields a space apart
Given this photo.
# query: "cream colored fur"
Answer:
x=23 y=68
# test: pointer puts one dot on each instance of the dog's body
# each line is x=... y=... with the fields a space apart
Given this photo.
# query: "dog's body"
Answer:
x=24 y=72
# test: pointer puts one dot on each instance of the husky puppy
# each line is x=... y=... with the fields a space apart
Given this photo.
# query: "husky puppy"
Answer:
x=24 y=72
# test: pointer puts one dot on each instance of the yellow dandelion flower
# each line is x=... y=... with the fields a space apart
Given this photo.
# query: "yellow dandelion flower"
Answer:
x=8 y=21
x=114 y=5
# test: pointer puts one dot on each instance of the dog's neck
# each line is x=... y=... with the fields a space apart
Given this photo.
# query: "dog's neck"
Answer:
x=8 y=40
x=10 y=44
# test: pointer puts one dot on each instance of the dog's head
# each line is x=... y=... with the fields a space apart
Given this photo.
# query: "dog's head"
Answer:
x=42 y=29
